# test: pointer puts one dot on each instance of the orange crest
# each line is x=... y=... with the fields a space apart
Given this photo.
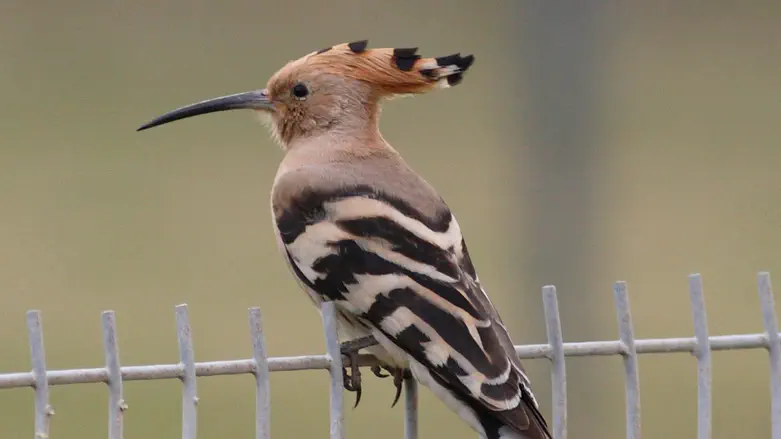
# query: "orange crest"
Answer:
x=392 y=71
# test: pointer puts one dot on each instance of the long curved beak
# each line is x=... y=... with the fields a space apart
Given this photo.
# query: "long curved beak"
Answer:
x=256 y=100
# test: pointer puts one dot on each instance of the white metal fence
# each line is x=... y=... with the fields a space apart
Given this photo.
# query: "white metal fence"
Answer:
x=260 y=365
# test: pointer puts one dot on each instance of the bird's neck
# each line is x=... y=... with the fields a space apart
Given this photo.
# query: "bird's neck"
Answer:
x=338 y=142
x=340 y=145
x=356 y=134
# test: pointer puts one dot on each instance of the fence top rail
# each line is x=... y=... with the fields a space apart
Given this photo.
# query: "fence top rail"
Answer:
x=321 y=361
x=701 y=345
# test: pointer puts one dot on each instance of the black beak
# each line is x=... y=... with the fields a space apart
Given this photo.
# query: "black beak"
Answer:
x=256 y=100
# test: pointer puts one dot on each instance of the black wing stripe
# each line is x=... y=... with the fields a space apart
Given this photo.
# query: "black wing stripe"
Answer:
x=467 y=261
x=309 y=208
x=446 y=291
x=453 y=367
x=340 y=269
x=451 y=329
x=297 y=271
x=302 y=212
x=403 y=242
x=494 y=348
x=412 y=336
x=382 y=307
x=491 y=421
x=504 y=391
x=439 y=224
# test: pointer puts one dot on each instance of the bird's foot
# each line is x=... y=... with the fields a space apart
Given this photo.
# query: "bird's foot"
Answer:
x=349 y=349
x=377 y=371
x=352 y=380
x=398 y=374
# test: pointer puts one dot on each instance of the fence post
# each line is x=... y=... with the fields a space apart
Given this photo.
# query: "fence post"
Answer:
x=558 y=367
x=116 y=400
x=703 y=355
x=187 y=362
x=410 y=408
x=629 y=353
x=774 y=349
x=43 y=410
x=261 y=372
x=336 y=369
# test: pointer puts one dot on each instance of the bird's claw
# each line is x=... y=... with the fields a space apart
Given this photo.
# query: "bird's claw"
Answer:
x=352 y=381
x=349 y=349
x=399 y=375
x=398 y=378
x=377 y=371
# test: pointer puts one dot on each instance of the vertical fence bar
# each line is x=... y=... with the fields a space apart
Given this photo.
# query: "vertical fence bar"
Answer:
x=558 y=365
x=410 y=408
x=262 y=384
x=116 y=401
x=631 y=370
x=336 y=368
x=770 y=321
x=703 y=354
x=43 y=410
x=187 y=361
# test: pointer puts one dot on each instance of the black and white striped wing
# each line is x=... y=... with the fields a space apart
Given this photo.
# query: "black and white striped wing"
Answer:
x=410 y=277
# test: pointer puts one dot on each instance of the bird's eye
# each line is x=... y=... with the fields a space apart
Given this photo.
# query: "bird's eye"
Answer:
x=300 y=91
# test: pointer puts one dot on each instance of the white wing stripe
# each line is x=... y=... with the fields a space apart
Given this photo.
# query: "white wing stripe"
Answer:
x=362 y=207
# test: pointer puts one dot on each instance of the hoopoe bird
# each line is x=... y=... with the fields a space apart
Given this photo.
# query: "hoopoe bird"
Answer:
x=358 y=227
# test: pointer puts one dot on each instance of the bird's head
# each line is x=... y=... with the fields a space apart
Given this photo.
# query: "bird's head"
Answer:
x=335 y=88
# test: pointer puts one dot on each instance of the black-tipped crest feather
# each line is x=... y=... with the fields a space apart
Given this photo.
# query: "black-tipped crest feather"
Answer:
x=358 y=46
x=399 y=70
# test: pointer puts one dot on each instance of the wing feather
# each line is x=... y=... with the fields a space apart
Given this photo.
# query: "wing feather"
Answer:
x=411 y=278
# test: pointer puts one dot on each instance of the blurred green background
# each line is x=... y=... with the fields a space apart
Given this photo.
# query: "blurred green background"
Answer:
x=680 y=175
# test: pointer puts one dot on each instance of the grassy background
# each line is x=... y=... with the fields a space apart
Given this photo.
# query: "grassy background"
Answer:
x=96 y=216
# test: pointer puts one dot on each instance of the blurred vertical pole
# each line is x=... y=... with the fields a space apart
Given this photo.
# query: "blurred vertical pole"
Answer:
x=559 y=46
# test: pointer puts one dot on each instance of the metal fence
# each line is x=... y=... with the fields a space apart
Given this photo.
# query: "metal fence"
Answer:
x=260 y=365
